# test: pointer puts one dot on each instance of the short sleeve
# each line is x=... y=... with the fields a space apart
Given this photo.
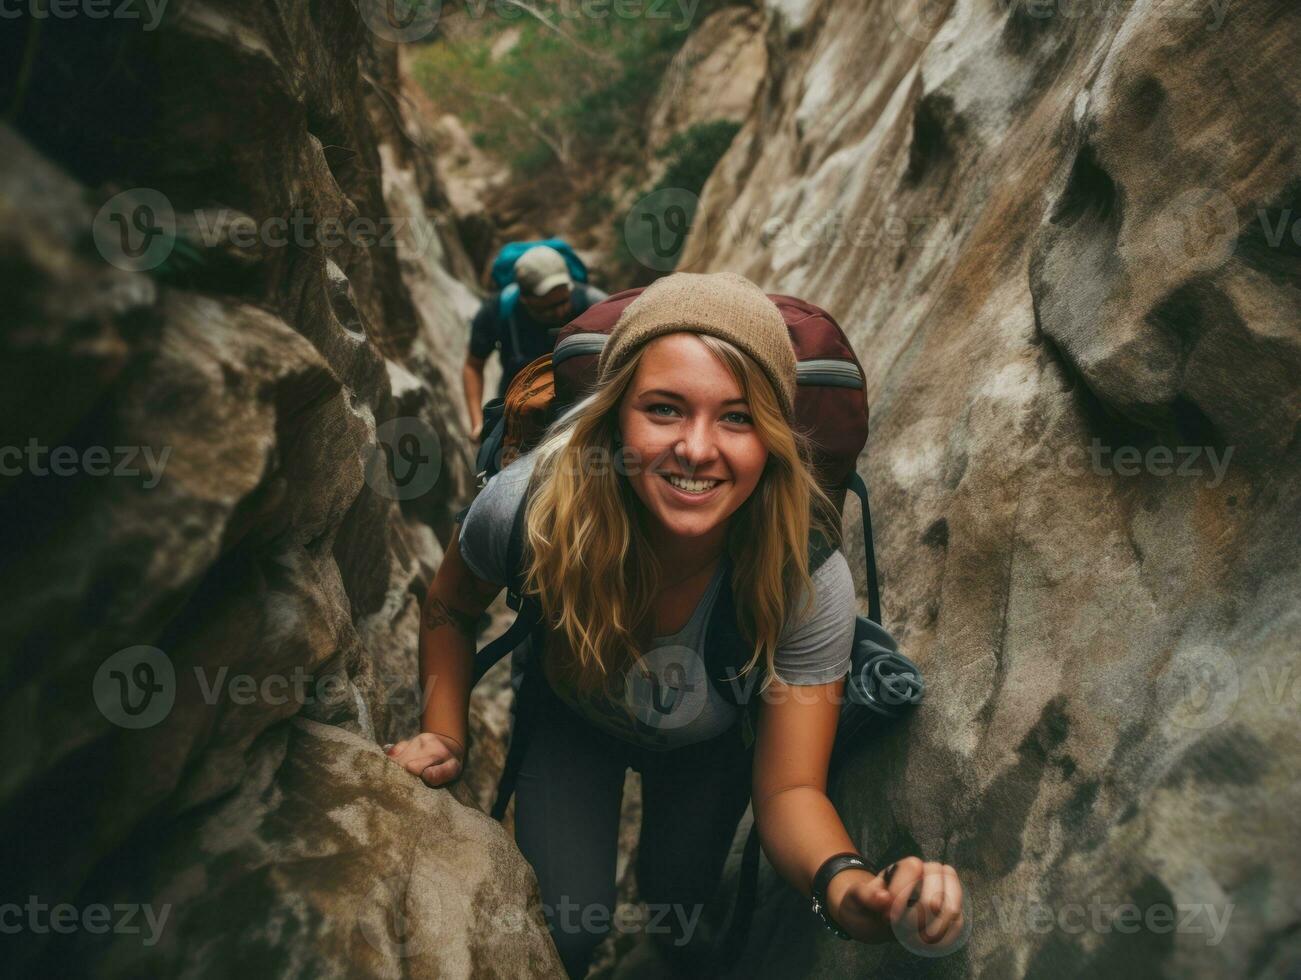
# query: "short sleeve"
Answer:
x=483 y=328
x=816 y=649
x=485 y=533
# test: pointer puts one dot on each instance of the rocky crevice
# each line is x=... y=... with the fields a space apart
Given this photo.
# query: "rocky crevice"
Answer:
x=269 y=566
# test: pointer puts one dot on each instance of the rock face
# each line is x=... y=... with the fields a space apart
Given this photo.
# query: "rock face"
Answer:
x=714 y=75
x=1065 y=245
x=212 y=571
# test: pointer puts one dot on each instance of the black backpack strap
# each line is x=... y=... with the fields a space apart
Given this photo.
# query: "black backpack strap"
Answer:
x=730 y=654
x=525 y=712
x=857 y=485
x=527 y=626
x=726 y=650
x=728 y=951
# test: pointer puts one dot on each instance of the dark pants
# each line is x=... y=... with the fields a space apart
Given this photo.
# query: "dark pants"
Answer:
x=568 y=796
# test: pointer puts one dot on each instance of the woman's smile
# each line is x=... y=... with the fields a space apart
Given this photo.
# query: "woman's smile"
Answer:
x=692 y=492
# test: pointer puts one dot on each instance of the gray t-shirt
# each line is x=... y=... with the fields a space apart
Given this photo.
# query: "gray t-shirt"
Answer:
x=673 y=702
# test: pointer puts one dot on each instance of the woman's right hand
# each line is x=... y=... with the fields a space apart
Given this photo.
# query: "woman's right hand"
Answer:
x=436 y=759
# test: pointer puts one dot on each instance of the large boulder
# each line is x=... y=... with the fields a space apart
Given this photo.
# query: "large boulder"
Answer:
x=229 y=359
x=1063 y=239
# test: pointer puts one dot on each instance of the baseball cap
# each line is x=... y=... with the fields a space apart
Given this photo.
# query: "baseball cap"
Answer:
x=540 y=270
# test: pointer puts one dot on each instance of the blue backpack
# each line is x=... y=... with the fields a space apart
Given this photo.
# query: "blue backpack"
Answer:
x=503 y=269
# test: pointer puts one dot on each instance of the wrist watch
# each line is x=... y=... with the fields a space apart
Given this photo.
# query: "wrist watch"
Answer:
x=829 y=869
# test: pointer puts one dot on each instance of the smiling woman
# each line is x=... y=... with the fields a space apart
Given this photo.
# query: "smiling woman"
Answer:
x=712 y=501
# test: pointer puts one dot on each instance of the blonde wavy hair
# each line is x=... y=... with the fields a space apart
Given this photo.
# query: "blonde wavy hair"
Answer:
x=590 y=563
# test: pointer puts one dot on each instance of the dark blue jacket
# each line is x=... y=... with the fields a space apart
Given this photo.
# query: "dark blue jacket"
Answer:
x=520 y=338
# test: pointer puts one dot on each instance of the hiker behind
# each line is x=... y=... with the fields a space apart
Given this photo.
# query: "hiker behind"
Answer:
x=548 y=298
x=708 y=483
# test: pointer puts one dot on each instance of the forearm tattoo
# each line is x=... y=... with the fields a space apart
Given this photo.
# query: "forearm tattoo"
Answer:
x=438 y=613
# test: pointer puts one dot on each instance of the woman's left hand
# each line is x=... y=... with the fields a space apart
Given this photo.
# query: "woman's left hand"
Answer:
x=923 y=898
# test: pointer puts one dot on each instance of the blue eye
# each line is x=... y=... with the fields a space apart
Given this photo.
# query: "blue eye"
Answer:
x=745 y=419
x=652 y=408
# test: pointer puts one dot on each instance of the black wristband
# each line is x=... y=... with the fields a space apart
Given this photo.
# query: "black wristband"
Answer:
x=832 y=866
x=828 y=870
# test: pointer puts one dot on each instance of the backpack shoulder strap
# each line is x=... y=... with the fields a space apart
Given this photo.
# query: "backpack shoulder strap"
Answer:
x=528 y=611
x=859 y=488
x=506 y=302
x=726 y=650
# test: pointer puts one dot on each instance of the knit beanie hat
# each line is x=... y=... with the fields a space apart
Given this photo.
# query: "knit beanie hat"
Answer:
x=723 y=304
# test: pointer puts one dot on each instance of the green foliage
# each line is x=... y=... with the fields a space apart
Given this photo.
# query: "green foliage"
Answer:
x=693 y=154
x=575 y=91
